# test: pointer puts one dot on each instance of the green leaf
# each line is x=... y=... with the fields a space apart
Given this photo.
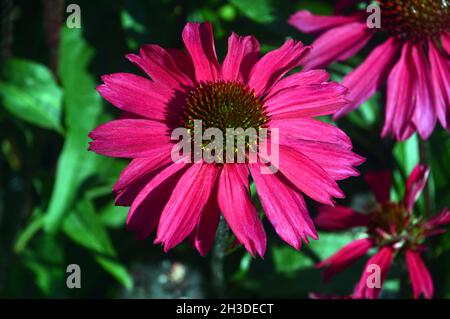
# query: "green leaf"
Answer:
x=31 y=229
x=259 y=11
x=288 y=260
x=82 y=106
x=85 y=227
x=317 y=7
x=244 y=267
x=114 y=216
x=407 y=157
x=30 y=92
x=366 y=115
x=46 y=260
x=407 y=154
x=439 y=155
x=330 y=243
x=117 y=270
x=129 y=23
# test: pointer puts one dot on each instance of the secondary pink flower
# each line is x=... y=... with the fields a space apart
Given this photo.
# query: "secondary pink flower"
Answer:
x=182 y=200
x=391 y=229
x=416 y=68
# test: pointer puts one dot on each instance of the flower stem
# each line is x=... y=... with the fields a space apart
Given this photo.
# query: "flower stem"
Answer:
x=424 y=159
x=404 y=280
x=217 y=260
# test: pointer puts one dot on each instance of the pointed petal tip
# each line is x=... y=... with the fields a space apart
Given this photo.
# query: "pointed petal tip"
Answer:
x=133 y=58
x=106 y=77
x=101 y=88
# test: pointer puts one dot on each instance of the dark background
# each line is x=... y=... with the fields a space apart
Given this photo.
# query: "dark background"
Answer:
x=56 y=206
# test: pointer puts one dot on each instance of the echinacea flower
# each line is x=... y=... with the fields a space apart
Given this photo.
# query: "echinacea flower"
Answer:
x=413 y=60
x=184 y=200
x=391 y=229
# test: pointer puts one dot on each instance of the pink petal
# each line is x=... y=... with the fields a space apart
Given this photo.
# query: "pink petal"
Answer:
x=307 y=22
x=284 y=207
x=183 y=62
x=415 y=184
x=308 y=176
x=272 y=66
x=238 y=210
x=435 y=232
x=307 y=101
x=383 y=258
x=363 y=81
x=186 y=204
x=380 y=184
x=337 y=44
x=159 y=65
x=137 y=175
x=136 y=94
x=311 y=130
x=441 y=219
x=126 y=196
x=199 y=41
x=130 y=139
x=445 y=38
x=140 y=167
x=147 y=207
x=400 y=102
x=345 y=257
x=336 y=161
x=243 y=52
x=425 y=114
x=420 y=277
x=205 y=230
x=299 y=79
x=339 y=218
x=440 y=77
x=129 y=116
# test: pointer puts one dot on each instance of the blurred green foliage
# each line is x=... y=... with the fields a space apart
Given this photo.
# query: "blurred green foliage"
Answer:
x=56 y=206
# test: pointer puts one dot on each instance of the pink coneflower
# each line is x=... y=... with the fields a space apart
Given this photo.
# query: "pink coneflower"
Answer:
x=391 y=229
x=183 y=200
x=416 y=67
